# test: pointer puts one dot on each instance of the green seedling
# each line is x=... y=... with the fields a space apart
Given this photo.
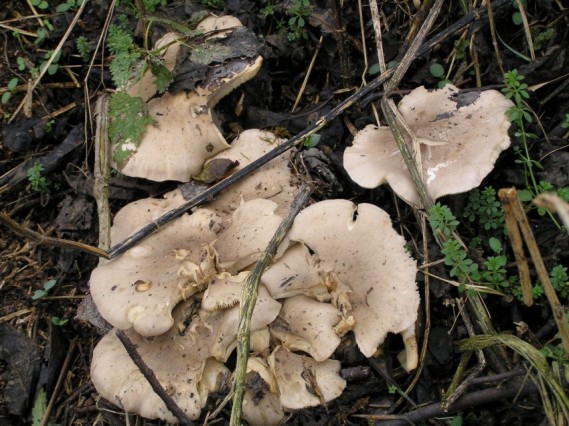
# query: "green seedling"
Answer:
x=438 y=71
x=10 y=90
x=47 y=286
x=83 y=47
x=484 y=208
x=39 y=182
x=311 y=141
x=299 y=13
x=58 y=321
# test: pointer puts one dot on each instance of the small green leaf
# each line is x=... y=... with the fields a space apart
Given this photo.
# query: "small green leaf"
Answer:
x=58 y=321
x=38 y=294
x=517 y=18
x=311 y=141
x=21 y=63
x=495 y=245
x=13 y=83
x=39 y=409
x=63 y=7
x=162 y=74
x=6 y=97
x=374 y=69
x=129 y=117
x=437 y=70
x=525 y=195
x=49 y=284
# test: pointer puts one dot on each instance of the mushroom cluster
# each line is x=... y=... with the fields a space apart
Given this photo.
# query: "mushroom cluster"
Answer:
x=178 y=295
x=342 y=268
x=458 y=137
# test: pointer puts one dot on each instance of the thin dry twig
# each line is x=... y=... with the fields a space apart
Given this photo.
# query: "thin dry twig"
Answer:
x=510 y=200
x=152 y=379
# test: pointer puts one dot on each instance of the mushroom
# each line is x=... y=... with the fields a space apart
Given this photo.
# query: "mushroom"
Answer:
x=307 y=325
x=295 y=273
x=224 y=322
x=180 y=362
x=261 y=405
x=273 y=180
x=365 y=266
x=184 y=134
x=303 y=382
x=141 y=287
x=460 y=137
x=252 y=226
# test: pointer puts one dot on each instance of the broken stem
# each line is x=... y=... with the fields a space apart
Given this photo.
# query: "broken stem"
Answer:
x=249 y=298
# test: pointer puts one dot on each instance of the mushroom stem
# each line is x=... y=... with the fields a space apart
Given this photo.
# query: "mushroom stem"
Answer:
x=249 y=298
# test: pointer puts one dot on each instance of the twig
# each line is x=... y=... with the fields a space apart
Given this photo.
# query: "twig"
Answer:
x=152 y=380
x=50 y=241
x=60 y=379
x=509 y=198
x=467 y=402
x=102 y=171
x=249 y=298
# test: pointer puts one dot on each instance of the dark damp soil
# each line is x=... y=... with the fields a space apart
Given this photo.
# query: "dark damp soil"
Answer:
x=45 y=347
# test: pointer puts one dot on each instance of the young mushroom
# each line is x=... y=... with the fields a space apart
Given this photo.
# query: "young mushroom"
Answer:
x=458 y=137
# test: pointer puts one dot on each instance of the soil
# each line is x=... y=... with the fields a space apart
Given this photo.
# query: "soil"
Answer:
x=44 y=346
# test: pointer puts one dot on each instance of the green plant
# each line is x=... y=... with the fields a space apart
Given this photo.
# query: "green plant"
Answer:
x=126 y=55
x=40 y=4
x=83 y=47
x=68 y=5
x=462 y=267
x=565 y=123
x=311 y=141
x=560 y=280
x=298 y=13
x=39 y=183
x=438 y=71
x=442 y=220
x=392 y=389
x=484 y=208
x=59 y=321
x=129 y=117
x=47 y=286
x=10 y=90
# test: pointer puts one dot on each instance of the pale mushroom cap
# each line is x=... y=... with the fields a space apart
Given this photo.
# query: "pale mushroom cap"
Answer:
x=252 y=226
x=307 y=325
x=358 y=247
x=225 y=323
x=273 y=180
x=184 y=134
x=261 y=405
x=141 y=287
x=461 y=137
x=296 y=272
x=177 y=361
x=295 y=374
x=176 y=147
